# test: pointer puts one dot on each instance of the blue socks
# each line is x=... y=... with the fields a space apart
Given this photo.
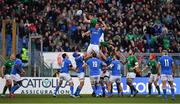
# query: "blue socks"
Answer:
x=109 y=93
x=98 y=91
x=94 y=88
x=164 y=92
x=172 y=91
x=78 y=90
x=57 y=88
x=104 y=90
x=72 y=89
x=14 y=88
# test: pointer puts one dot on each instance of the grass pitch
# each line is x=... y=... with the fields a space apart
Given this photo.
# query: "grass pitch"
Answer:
x=48 y=99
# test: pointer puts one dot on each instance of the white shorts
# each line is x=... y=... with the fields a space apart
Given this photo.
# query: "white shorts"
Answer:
x=65 y=76
x=93 y=48
x=7 y=77
x=115 y=78
x=107 y=73
x=101 y=39
x=131 y=75
x=16 y=77
x=153 y=77
x=81 y=75
x=95 y=78
x=165 y=77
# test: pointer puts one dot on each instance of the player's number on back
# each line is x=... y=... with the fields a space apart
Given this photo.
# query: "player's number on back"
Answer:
x=119 y=67
x=166 y=63
x=62 y=64
x=94 y=63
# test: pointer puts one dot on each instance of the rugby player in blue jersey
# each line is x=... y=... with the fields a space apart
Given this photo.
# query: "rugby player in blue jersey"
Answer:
x=95 y=35
x=64 y=75
x=80 y=70
x=115 y=76
x=16 y=73
x=167 y=66
x=94 y=65
x=106 y=58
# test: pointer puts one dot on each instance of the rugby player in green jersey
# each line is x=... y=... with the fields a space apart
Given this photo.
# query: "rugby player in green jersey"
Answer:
x=5 y=73
x=154 y=77
x=132 y=66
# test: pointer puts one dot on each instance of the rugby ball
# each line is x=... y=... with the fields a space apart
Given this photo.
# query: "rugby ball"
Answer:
x=79 y=12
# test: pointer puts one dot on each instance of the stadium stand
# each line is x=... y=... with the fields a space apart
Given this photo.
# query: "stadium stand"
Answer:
x=147 y=25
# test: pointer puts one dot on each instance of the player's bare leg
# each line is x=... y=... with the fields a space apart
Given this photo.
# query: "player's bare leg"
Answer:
x=109 y=89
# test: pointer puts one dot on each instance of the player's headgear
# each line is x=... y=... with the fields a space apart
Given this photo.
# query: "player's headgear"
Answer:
x=152 y=55
x=94 y=21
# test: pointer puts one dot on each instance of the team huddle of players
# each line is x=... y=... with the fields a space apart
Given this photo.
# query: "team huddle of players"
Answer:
x=104 y=65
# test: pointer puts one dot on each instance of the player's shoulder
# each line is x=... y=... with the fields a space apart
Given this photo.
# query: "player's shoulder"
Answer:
x=92 y=28
x=134 y=56
x=7 y=61
x=18 y=61
x=90 y=59
x=67 y=60
x=161 y=58
x=169 y=57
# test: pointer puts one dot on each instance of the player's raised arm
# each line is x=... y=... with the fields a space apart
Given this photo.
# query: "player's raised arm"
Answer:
x=146 y=67
x=85 y=19
x=84 y=65
x=103 y=23
x=102 y=55
x=158 y=67
x=86 y=34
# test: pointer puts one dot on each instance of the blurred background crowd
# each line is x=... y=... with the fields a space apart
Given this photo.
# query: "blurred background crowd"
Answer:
x=146 y=25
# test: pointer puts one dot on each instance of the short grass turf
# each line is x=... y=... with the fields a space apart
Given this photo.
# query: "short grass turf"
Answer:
x=49 y=99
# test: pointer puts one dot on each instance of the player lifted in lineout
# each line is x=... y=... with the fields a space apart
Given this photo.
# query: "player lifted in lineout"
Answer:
x=154 y=77
x=95 y=34
x=167 y=66
x=94 y=65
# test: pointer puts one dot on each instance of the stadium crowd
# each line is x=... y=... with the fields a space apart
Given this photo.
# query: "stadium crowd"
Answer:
x=146 y=25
